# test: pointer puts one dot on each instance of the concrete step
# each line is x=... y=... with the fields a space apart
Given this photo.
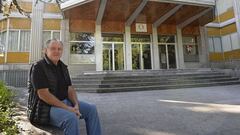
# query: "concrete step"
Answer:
x=128 y=73
x=157 y=87
x=147 y=79
x=146 y=76
x=116 y=81
x=120 y=72
x=144 y=83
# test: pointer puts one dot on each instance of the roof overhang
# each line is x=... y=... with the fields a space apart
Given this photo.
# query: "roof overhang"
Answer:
x=181 y=13
x=207 y=3
x=73 y=3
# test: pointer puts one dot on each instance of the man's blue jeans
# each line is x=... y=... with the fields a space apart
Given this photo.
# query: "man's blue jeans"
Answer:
x=69 y=121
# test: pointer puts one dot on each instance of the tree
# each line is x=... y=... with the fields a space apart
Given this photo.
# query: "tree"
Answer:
x=6 y=6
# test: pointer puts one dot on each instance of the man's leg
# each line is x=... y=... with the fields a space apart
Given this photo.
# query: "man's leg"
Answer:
x=90 y=115
x=65 y=120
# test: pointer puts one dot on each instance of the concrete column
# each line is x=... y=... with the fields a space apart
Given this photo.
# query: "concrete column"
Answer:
x=98 y=48
x=156 y=64
x=64 y=37
x=36 y=31
x=180 y=63
x=203 y=47
x=7 y=37
x=236 y=5
x=128 y=48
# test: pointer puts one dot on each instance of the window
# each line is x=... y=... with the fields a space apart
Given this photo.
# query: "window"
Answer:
x=19 y=41
x=47 y=35
x=56 y=35
x=112 y=38
x=217 y=44
x=140 y=38
x=3 y=38
x=82 y=48
x=24 y=41
x=214 y=44
x=82 y=43
x=226 y=42
x=13 y=41
x=166 y=39
x=210 y=45
x=235 y=41
x=190 y=49
x=1 y=51
x=2 y=43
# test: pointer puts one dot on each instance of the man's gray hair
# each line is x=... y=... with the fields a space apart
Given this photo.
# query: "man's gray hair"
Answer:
x=50 y=41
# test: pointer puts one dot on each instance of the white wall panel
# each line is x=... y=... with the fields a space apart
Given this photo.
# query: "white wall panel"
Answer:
x=235 y=41
x=226 y=42
x=210 y=44
x=217 y=44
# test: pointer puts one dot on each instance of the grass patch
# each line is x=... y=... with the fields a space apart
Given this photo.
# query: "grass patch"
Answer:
x=7 y=124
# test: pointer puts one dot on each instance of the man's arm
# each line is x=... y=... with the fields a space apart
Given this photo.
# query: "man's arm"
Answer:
x=49 y=98
x=72 y=95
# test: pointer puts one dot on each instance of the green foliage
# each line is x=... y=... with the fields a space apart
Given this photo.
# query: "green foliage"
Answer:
x=7 y=125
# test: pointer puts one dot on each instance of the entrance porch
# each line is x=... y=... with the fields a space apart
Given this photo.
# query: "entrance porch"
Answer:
x=142 y=34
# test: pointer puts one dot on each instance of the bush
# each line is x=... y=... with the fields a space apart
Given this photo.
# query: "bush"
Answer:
x=7 y=125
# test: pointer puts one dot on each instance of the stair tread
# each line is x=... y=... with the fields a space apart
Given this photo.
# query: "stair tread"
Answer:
x=147 y=79
x=151 y=80
x=150 y=77
x=162 y=81
x=147 y=74
x=168 y=85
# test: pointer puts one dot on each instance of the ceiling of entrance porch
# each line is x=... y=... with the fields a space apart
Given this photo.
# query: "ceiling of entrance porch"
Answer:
x=121 y=11
x=87 y=11
x=208 y=17
x=153 y=11
x=184 y=13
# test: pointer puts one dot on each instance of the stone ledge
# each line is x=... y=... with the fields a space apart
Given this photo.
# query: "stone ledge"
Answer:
x=26 y=128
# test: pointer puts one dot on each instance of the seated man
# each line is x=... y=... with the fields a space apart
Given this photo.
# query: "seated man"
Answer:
x=51 y=81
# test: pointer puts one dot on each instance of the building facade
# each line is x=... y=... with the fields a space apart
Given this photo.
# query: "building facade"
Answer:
x=102 y=35
x=224 y=35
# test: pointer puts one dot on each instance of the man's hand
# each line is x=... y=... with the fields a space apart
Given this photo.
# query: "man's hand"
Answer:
x=73 y=98
x=75 y=110
x=76 y=107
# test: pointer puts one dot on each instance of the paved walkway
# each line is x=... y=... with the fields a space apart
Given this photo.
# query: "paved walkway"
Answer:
x=192 y=111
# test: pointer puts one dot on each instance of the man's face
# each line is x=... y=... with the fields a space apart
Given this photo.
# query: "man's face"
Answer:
x=54 y=51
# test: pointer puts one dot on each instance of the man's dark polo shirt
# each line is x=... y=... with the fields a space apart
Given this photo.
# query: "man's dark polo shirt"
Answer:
x=40 y=79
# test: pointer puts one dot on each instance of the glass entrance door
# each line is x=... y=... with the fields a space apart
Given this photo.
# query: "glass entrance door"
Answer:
x=141 y=52
x=141 y=56
x=113 y=56
x=167 y=56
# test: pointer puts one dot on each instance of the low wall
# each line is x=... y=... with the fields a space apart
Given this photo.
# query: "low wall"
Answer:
x=233 y=64
x=231 y=72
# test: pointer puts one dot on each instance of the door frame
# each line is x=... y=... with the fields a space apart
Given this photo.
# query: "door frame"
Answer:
x=141 y=53
x=113 y=54
x=166 y=47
